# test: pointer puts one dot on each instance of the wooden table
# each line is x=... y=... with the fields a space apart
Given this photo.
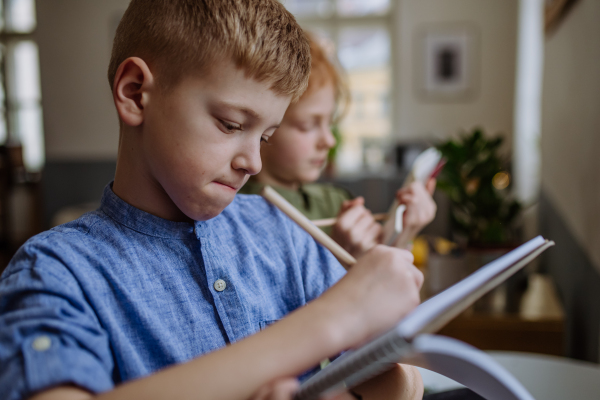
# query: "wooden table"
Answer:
x=508 y=333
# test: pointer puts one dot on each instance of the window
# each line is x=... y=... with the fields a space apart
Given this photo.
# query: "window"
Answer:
x=359 y=31
x=20 y=94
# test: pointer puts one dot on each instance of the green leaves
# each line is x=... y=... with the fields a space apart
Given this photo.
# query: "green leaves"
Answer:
x=481 y=212
x=335 y=131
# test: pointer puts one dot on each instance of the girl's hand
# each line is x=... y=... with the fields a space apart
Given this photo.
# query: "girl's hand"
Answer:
x=420 y=210
x=356 y=230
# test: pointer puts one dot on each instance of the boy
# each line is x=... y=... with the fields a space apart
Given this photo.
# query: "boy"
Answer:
x=296 y=156
x=135 y=299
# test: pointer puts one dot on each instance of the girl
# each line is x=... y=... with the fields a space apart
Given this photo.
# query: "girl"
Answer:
x=297 y=154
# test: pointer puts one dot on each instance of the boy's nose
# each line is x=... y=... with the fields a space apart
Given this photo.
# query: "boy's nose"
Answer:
x=248 y=159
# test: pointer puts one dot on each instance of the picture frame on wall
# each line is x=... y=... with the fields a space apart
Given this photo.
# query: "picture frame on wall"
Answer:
x=447 y=63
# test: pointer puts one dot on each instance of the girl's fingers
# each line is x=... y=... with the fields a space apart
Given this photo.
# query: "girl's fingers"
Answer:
x=373 y=233
x=349 y=218
x=363 y=223
x=348 y=204
x=430 y=186
x=407 y=198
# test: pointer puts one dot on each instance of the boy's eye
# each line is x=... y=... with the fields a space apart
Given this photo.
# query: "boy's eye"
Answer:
x=264 y=139
x=231 y=127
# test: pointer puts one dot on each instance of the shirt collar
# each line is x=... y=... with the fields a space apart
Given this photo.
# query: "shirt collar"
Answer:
x=141 y=221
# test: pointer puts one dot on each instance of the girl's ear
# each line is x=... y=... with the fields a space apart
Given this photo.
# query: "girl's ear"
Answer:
x=131 y=90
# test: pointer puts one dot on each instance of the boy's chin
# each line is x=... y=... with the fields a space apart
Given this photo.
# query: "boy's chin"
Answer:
x=204 y=212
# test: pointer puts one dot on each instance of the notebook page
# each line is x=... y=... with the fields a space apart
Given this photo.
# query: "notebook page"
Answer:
x=445 y=301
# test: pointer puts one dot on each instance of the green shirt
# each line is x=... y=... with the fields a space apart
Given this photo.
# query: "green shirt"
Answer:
x=315 y=200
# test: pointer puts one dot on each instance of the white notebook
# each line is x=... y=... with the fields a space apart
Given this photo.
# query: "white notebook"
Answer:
x=411 y=341
x=424 y=167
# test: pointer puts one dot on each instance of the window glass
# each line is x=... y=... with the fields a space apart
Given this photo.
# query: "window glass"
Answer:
x=24 y=101
x=361 y=7
x=20 y=16
x=365 y=55
x=363 y=48
x=3 y=128
x=310 y=8
x=1 y=16
x=20 y=101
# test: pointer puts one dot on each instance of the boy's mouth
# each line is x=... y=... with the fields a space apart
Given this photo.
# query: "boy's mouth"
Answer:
x=229 y=185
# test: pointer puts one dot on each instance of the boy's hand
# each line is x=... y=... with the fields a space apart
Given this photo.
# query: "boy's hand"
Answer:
x=420 y=210
x=356 y=230
x=381 y=288
x=284 y=389
x=402 y=382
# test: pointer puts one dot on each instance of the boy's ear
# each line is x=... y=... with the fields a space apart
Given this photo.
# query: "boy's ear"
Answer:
x=131 y=87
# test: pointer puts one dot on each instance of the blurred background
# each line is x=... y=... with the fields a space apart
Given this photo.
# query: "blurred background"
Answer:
x=509 y=90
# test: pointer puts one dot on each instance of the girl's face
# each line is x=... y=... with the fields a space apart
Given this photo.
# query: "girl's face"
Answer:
x=297 y=152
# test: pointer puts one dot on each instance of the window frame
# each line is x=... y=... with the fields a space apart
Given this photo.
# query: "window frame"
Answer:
x=9 y=40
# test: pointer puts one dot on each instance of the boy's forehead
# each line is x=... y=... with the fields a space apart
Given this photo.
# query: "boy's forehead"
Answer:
x=231 y=87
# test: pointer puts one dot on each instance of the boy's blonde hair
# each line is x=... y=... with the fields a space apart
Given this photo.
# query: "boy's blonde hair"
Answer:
x=178 y=37
x=325 y=70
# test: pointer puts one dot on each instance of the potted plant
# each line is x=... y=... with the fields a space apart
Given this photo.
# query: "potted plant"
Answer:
x=483 y=215
x=476 y=179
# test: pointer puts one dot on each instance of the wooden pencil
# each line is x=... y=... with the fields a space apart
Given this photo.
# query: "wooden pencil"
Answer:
x=331 y=221
x=338 y=251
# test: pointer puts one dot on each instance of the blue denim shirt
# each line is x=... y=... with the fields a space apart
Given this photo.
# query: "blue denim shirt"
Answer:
x=119 y=294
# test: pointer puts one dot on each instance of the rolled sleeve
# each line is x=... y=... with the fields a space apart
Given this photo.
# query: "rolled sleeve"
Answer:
x=49 y=335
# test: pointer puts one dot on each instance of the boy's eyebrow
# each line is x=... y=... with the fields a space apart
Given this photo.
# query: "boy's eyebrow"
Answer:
x=243 y=109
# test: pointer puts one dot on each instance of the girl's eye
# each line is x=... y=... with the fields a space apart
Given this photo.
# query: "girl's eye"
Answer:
x=264 y=139
x=307 y=126
x=231 y=127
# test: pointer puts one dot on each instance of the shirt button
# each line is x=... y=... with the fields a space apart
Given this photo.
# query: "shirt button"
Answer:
x=220 y=285
x=41 y=343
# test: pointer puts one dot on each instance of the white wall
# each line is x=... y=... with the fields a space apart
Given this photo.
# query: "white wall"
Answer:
x=75 y=40
x=493 y=106
x=571 y=123
x=79 y=118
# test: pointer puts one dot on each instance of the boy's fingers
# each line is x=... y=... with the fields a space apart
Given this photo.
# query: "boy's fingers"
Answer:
x=341 y=396
x=408 y=255
x=282 y=389
x=419 y=277
x=285 y=390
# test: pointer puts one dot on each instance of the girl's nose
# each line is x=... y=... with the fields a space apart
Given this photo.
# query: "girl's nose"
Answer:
x=327 y=138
